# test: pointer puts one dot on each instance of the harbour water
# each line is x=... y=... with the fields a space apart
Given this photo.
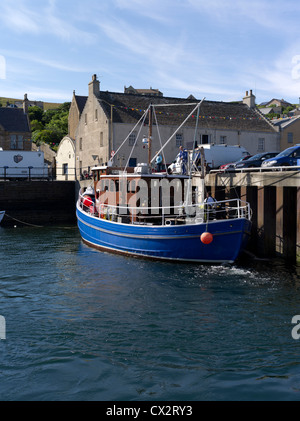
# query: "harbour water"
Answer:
x=82 y=325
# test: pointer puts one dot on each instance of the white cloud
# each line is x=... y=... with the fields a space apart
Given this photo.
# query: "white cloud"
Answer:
x=19 y=17
x=271 y=15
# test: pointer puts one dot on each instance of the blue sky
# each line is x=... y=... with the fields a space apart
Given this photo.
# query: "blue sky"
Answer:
x=216 y=49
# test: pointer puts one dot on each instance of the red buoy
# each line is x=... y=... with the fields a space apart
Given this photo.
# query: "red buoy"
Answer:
x=87 y=201
x=206 y=238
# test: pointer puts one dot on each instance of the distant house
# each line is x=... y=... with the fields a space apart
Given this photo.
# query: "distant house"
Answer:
x=271 y=110
x=148 y=92
x=278 y=103
x=15 y=133
x=100 y=122
x=289 y=131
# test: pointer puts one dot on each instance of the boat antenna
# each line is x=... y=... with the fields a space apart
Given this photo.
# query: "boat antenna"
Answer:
x=195 y=137
x=193 y=153
x=150 y=134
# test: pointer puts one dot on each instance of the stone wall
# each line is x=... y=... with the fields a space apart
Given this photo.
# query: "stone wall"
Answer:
x=38 y=202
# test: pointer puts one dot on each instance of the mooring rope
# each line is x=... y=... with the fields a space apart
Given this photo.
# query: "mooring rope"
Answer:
x=22 y=222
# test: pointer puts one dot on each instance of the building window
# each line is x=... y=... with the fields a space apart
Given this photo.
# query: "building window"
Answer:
x=132 y=138
x=20 y=144
x=101 y=139
x=290 y=137
x=261 y=144
x=85 y=118
x=205 y=139
x=13 y=141
x=222 y=140
x=179 y=139
x=80 y=144
x=65 y=169
x=96 y=115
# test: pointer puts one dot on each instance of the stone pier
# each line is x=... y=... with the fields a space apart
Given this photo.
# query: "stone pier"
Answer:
x=274 y=198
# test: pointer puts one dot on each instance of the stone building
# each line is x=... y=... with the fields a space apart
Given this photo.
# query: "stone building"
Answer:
x=289 y=131
x=148 y=92
x=100 y=122
x=65 y=160
x=15 y=133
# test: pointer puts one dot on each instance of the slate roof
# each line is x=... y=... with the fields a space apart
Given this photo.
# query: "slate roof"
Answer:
x=284 y=122
x=80 y=100
x=14 y=120
x=128 y=108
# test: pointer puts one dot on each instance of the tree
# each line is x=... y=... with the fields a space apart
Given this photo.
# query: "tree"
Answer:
x=49 y=126
x=35 y=113
x=36 y=125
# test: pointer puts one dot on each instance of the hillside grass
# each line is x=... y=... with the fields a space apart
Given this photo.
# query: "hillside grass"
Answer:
x=47 y=105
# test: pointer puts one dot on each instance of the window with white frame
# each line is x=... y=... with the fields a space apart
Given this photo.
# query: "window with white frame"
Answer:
x=222 y=140
x=179 y=139
x=290 y=137
x=261 y=144
x=13 y=141
x=132 y=138
x=20 y=144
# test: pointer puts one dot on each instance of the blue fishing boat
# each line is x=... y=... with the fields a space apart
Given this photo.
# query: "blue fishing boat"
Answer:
x=161 y=216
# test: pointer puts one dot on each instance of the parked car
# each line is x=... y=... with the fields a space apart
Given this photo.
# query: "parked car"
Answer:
x=288 y=157
x=231 y=165
x=255 y=160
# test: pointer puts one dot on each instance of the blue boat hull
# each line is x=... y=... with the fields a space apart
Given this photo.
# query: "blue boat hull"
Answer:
x=172 y=242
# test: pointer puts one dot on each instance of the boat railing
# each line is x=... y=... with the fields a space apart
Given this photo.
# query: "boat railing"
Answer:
x=169 y=215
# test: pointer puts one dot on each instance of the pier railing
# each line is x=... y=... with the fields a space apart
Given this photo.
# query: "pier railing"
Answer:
x=257 y=169
x=28 y=172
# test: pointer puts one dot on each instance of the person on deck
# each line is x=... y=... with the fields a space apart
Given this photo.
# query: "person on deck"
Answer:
x=210 y=206
x=158 y=161
x=183 y=158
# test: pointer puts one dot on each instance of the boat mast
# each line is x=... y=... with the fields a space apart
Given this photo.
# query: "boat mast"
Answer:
x=150 y=135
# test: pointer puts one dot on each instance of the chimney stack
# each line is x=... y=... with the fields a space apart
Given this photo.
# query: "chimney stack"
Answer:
x=25 y=104
x=94 y=86
x=249 y=99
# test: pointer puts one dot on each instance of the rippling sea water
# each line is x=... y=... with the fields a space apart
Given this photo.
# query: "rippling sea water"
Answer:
x=85 y=325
